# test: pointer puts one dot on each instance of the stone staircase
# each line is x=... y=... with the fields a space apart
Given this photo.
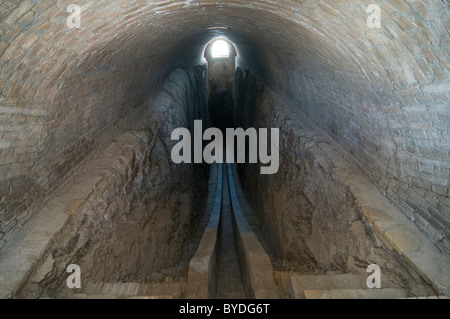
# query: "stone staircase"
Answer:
x=105 y=290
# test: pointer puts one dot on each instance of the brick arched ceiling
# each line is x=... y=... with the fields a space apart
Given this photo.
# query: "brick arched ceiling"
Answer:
x=61 y=89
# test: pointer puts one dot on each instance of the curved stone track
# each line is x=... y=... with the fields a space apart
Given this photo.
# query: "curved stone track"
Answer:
x=229 y=281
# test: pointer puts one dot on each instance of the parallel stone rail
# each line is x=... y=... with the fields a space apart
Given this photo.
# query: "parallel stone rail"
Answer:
x=202 y=274
x=256 y=267
x=254 y=262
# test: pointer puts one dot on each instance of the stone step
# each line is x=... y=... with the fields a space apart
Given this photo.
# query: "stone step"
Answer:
x=429 y=297
x=283 y=277
x=90 y=296
x=86 y=296
x=384 y=293
x=299 y=283
x=134 y=290
x=173 y=289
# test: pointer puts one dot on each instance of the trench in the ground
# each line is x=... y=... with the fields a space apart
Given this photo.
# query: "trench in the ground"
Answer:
x=229 y=279
x=152 y=234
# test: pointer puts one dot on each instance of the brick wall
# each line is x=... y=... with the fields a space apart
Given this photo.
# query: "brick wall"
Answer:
x=396 y=127
x=400 y=140
x=381 y=93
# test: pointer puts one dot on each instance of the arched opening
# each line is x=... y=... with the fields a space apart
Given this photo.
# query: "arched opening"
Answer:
x=221 y=57
x=220 y=49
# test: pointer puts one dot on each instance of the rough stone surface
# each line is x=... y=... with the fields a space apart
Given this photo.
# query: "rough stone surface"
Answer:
x=321 y=213
x=381 y=93
x=138 y=208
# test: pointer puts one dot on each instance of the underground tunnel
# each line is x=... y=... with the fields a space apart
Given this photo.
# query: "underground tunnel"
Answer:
x=92 y=91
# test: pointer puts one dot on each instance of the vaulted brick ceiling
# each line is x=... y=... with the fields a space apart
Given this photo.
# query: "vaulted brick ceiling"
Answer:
x=63 y=89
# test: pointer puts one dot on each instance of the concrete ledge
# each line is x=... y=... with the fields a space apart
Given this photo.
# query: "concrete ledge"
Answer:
x=256 y=267
x=386 y=293
x=201 y=282
x=298 y=284
x=392 y=227
x=120 y=290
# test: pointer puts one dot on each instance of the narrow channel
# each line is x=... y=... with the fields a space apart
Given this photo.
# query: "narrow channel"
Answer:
x=229 y=281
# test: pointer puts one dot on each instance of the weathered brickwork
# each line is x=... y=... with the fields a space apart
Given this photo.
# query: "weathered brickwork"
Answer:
x=400 y=140
x=383 y=94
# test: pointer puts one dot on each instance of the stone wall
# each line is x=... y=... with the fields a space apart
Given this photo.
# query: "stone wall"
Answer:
x=141 y=208
x=313 y=208
x=381 y=93
x=403 y=149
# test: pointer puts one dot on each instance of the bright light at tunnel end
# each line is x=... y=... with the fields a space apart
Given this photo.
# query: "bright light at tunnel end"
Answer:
x=220 y=49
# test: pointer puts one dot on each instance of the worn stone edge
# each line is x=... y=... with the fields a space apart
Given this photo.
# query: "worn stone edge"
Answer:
x=57 y=212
